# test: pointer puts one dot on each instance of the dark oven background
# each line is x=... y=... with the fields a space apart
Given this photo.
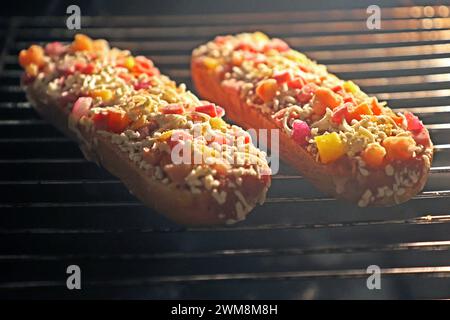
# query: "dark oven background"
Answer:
x=56 y=209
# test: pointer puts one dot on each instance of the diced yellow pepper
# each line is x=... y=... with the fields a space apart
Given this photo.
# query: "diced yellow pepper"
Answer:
x=165 y=135
x=218 y=123
x=350 y=86
x=129 y=63
x=104 y=94
x=210 y=63
x=330 y=147
x=259 y=36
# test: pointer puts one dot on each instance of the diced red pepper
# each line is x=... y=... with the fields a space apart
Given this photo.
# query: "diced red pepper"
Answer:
x=220 y=111
x=85 y=68
x=349 y=98
x=113 y=121
x=209 y=109
x=337 y=88
x=296 y=83
x=282 y=76
x=174 y=108
x=340 y=113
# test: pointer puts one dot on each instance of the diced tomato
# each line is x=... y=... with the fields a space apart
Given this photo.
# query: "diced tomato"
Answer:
x=414 y=124
x=85 y=68
x=300 y=132
x=307 y=93
x=144 y=65
x=399 y=148
x=340 y=113
x=81 y=107
x=374 y=155
x=422 y=137
x=55 y=48
x=174 y=108
x=282 y=76
x=296 y=83
x=100 y=121
x=118 y=121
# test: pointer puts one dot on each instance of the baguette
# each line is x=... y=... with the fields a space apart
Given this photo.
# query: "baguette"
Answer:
x=346 y=143
x=130 y=119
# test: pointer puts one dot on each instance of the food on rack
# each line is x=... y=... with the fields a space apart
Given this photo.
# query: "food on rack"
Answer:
x=345 y=142
x=172 y=150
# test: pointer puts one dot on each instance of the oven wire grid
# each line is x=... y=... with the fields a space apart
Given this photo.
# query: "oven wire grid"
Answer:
x=57 y=209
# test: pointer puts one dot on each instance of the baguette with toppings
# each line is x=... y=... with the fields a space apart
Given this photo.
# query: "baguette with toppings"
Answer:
x=129 y=118
x=345 y=142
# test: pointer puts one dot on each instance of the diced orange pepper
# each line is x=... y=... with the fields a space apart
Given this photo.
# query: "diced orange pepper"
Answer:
x=325 y=98
x=210 y=63
x=33 y=55
x=350 y=86
x=374 y=155
x=330 y=147
x=376 y=108
x=359 y=111
x=82 y=43
x=267 y=89
x=104 y=94
x=399 y=148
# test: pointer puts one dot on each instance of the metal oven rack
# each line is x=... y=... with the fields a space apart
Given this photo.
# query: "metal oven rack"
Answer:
x=57 y=209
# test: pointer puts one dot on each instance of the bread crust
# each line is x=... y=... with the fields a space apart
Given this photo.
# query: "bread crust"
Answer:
x=180 y=205
x=338 y=179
